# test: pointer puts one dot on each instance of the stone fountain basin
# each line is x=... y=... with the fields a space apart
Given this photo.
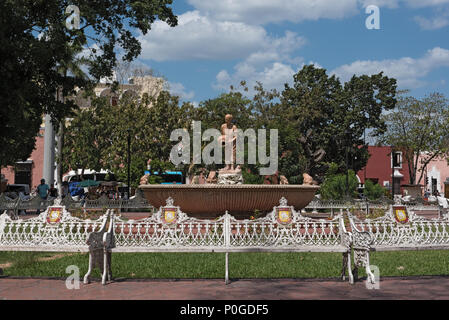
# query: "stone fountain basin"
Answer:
x=213 y=200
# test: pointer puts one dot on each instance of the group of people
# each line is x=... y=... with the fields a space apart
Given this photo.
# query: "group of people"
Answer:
x=110 y=192
x=427 y=194
x=44 y=191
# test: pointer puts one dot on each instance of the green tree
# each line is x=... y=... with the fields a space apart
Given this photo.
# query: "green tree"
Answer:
x=334 y=186
x=418 y=127
x=35 y=42
x=373 y=190
x=83 y=141
x=212 y=112
x=323 y=120
x=106 y=127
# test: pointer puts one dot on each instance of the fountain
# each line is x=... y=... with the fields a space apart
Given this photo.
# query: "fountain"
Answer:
x=228 y=193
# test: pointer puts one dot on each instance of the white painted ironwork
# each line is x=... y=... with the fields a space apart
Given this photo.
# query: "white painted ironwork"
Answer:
x=38 y=234
x=56 y=230
x=13 y=206
x=171 y=230
x=387 y=234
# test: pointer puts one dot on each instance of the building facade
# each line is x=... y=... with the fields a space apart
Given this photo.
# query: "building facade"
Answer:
x=385 y=163
x=436 y=173
x=386 y=167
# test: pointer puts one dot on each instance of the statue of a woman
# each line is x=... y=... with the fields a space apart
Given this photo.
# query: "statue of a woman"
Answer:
x=228 y=131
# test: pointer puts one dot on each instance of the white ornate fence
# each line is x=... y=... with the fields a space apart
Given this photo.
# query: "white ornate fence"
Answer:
x=283 y=230
x=15 y=206
x=366 y=206
x=399 y=229
x=53 y=230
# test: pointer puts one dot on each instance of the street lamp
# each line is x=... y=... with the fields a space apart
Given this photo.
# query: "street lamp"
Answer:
x=392 y=173
x=129 y=163
x=343 y=142
x=347 y=132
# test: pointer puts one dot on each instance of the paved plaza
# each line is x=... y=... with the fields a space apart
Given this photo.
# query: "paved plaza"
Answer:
x=396 y=288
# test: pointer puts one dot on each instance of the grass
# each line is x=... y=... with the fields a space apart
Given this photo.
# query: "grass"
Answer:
x=211 y=265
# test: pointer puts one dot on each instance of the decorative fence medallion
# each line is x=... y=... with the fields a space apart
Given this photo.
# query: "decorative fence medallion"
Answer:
x=284 y=215
x=169 y=215
x=400 y=214
x=54 y=215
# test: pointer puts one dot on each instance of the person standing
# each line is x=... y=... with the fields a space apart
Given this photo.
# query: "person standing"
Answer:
x=65 y=189
x=53 y=192
x=42 y=191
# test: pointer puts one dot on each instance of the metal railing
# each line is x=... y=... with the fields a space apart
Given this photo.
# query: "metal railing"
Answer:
x=318 y=205
x=15 y=206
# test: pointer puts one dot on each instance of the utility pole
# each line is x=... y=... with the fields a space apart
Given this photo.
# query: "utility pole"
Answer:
x=129 y=163
x=392 y=173
x=49 y=151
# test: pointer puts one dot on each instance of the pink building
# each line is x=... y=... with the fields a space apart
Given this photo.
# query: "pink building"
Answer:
x=385 y=167
x=29 y=171
x=436 y=173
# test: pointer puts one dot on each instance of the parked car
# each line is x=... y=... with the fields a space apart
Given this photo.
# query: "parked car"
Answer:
x=169 y=177
x=101 y=175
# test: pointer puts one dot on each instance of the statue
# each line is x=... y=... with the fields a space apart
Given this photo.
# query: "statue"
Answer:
x=308 y=180
x=228 y=130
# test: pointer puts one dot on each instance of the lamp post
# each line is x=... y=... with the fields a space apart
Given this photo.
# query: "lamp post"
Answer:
x=392 y=173
x=343 y=143
x=347 y=132
x=129 y=163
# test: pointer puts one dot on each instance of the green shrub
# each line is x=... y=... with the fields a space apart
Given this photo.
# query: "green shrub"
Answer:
x=334 y=186
x=373 y=190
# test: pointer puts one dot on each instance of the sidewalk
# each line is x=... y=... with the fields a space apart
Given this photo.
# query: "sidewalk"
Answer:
x=284 y=289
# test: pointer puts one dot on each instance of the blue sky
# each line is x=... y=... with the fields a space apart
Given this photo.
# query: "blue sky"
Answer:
x=221 y=42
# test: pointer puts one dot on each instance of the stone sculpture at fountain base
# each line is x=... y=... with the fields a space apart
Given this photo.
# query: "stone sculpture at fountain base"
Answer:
x=230 y=178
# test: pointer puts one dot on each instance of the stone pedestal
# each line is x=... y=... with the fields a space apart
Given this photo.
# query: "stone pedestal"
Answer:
x=230 y=178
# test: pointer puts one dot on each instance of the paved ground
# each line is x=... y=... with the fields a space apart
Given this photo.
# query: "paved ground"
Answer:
x=289 y=289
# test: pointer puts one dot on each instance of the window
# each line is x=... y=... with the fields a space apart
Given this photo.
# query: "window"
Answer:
x=397 y=160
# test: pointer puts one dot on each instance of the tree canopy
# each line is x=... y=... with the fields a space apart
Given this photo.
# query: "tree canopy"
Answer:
x=418 y=128
x=318 y=119
x=97 y=137
x=35 y=42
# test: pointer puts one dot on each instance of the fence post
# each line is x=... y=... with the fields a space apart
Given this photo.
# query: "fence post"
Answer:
x=227 y=235
x=16 y=209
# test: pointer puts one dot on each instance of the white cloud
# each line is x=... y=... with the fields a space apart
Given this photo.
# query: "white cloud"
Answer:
x=408 y=71
x=438 y=21
x=179 y=90
x=425 y=3
x=273 y=66
x=433 y=23
x=200 y=37
x=265 y=11
x=273 y=76
x=393 y=4
x=260 y=12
